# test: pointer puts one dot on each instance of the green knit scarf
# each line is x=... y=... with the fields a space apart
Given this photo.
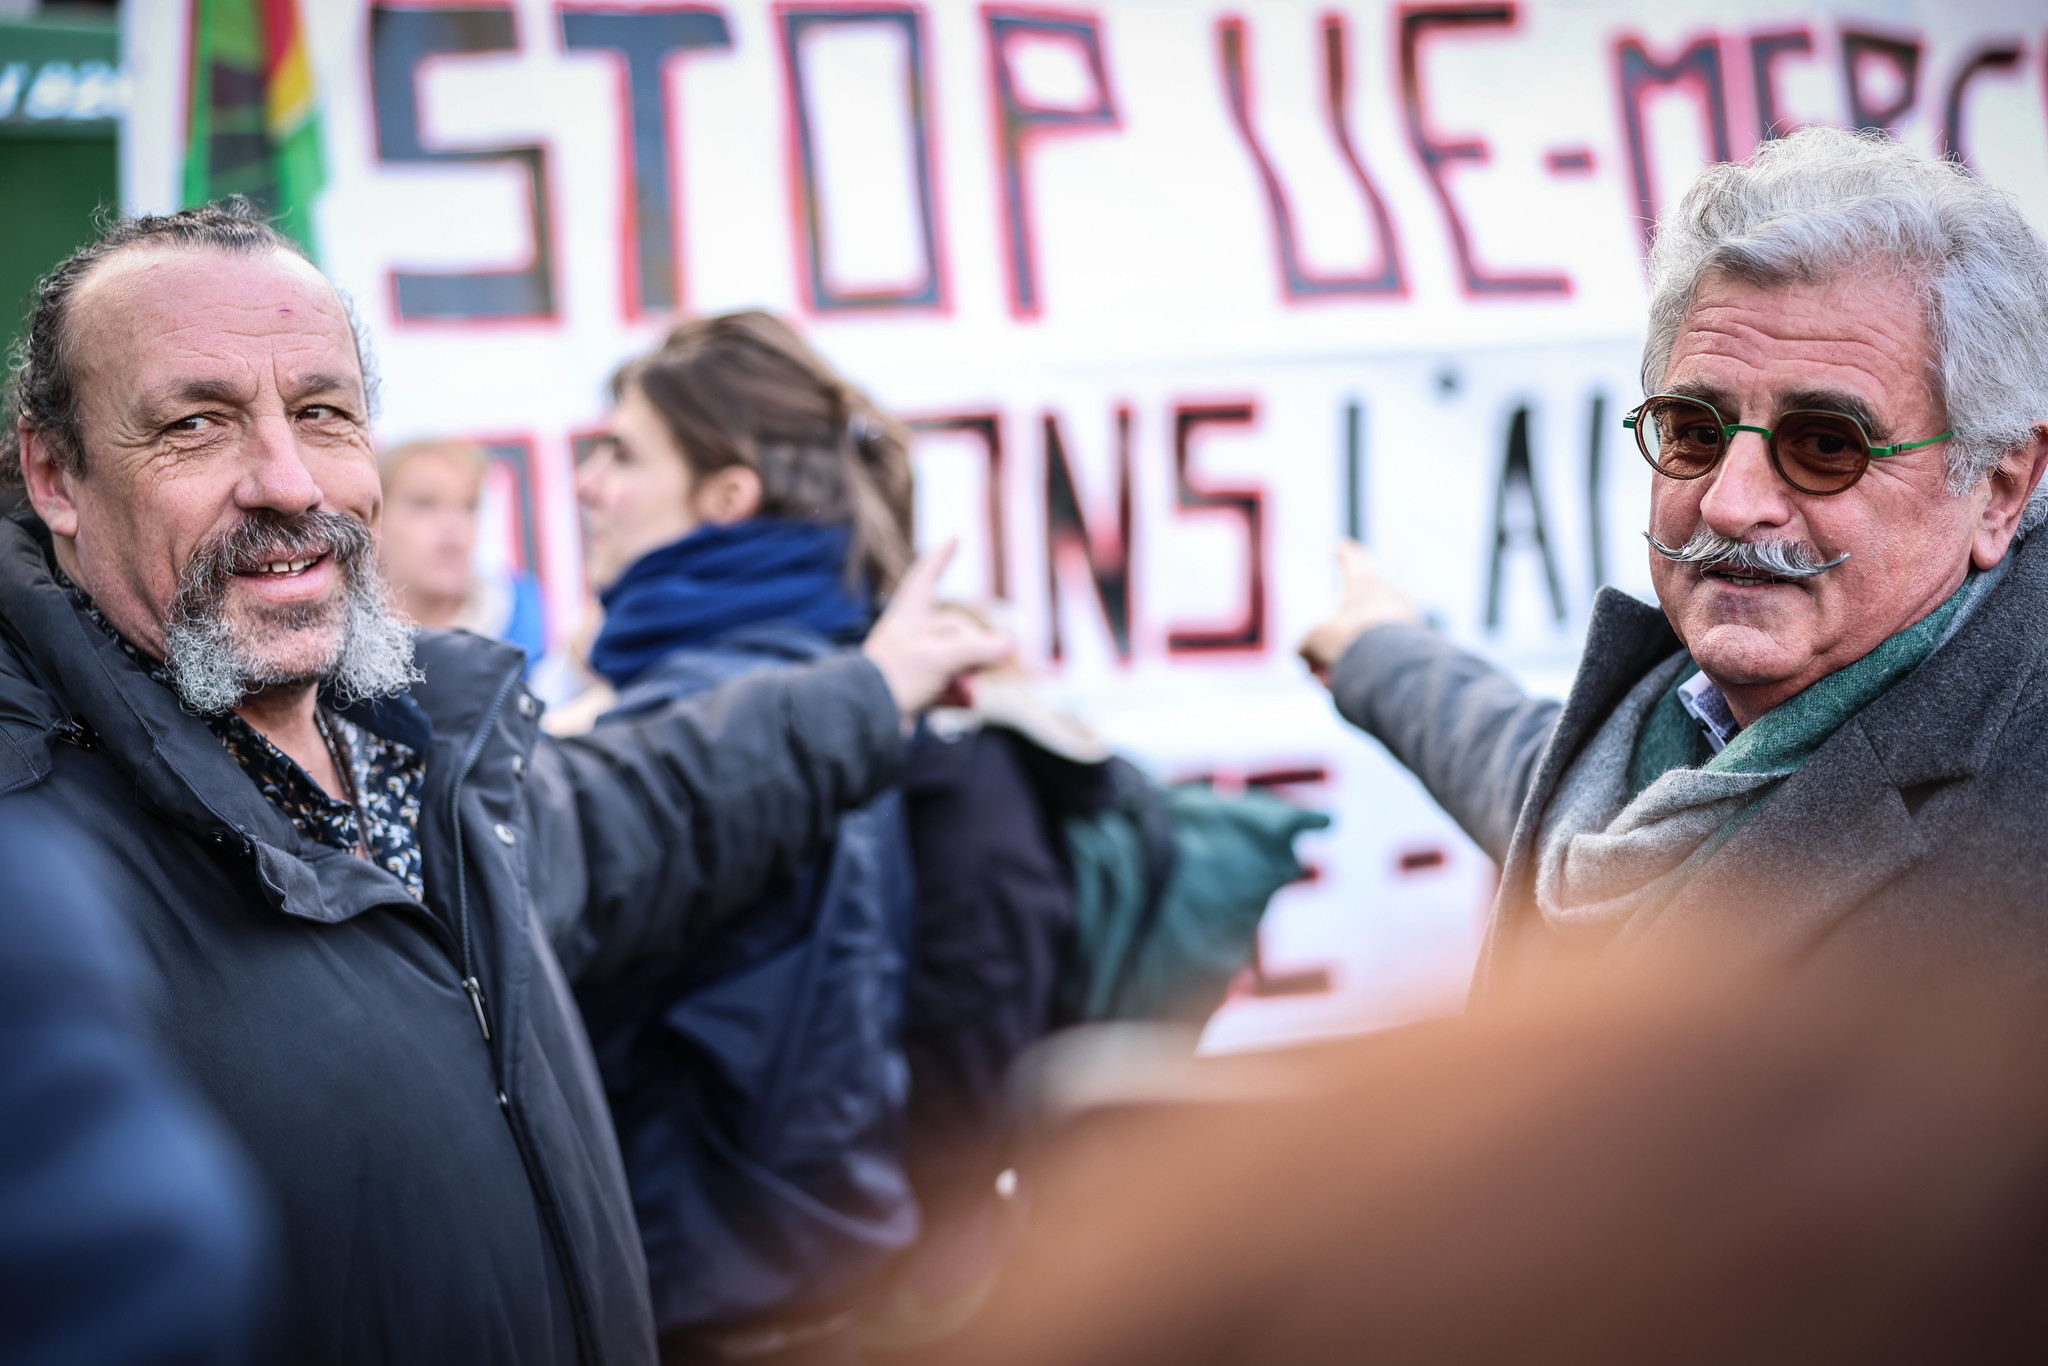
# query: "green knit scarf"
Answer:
x=1781 y=739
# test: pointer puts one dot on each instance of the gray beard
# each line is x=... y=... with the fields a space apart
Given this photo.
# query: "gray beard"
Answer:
x=213 y=669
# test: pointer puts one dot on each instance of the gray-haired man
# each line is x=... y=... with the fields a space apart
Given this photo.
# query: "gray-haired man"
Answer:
x=1831 y=736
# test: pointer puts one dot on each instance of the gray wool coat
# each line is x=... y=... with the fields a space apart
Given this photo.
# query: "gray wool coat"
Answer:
x=1916 y=830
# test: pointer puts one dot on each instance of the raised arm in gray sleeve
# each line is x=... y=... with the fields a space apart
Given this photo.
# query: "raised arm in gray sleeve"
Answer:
x=1453 y=720
x=685 y=813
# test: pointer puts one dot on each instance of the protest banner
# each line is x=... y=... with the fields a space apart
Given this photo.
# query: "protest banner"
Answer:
x=1176 y=294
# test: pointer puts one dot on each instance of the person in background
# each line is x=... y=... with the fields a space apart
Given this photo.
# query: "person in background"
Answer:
x=745 y=513
x=131 y=1232
x=428 y=547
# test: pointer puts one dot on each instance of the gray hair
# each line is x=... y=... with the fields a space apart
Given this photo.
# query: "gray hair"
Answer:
x=1823 y=203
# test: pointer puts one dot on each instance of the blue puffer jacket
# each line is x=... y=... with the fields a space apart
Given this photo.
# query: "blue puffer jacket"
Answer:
x=756 y=1082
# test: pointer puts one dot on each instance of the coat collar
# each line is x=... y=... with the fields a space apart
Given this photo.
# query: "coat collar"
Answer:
x=1624 y=640
x=1842 y=826
x=1943 y=722
x=179 y=768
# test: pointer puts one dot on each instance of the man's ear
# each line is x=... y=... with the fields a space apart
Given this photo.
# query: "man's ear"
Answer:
x=49 y=485
x=733 y=494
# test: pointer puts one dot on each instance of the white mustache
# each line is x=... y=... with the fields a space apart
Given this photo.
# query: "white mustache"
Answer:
x=1781 y=559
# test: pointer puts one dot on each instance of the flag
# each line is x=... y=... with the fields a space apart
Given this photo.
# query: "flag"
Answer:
x=254 y=118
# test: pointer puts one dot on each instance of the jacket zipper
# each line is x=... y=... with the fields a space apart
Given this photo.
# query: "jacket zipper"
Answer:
x=470 y=984
x=586 y=1340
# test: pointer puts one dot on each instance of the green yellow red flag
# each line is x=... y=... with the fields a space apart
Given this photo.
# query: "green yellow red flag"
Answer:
x=254 y=115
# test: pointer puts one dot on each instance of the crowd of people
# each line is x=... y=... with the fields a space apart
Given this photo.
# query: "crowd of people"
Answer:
x=358 y=1007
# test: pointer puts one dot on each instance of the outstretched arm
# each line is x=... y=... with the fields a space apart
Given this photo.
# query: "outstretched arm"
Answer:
x=662 y=824
x=1464 y=728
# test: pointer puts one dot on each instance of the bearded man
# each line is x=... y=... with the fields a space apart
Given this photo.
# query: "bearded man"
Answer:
x=1831 y=738
x=369 y=879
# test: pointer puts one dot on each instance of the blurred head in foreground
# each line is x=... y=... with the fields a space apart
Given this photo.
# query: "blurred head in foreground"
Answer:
x=428 y=545
x=1683 y=1167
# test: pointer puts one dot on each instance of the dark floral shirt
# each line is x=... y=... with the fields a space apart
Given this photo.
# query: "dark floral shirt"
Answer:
x=383 y=821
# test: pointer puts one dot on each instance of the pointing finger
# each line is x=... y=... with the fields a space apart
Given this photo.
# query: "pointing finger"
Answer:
x=919 y=587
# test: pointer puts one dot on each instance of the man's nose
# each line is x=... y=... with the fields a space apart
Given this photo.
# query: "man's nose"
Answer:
x=1744 y=491
x=275 y=476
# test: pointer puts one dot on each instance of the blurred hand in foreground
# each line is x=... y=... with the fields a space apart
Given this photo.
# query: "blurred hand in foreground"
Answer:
x=922 y=648
x=1370 y=599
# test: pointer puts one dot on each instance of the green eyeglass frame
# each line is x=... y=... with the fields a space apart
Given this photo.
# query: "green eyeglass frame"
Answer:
x=1800 y=447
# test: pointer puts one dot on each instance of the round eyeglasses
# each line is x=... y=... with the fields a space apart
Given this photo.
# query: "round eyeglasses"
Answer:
x=1816 y=452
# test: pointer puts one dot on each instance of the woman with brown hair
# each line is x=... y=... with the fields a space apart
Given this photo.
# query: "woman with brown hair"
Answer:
x=745 y=511
x=738 y=458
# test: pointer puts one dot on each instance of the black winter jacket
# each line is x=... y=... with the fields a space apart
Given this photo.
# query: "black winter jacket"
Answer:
x=445 y=1198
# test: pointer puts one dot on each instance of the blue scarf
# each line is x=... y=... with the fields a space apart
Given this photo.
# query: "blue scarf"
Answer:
x=718 y=579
